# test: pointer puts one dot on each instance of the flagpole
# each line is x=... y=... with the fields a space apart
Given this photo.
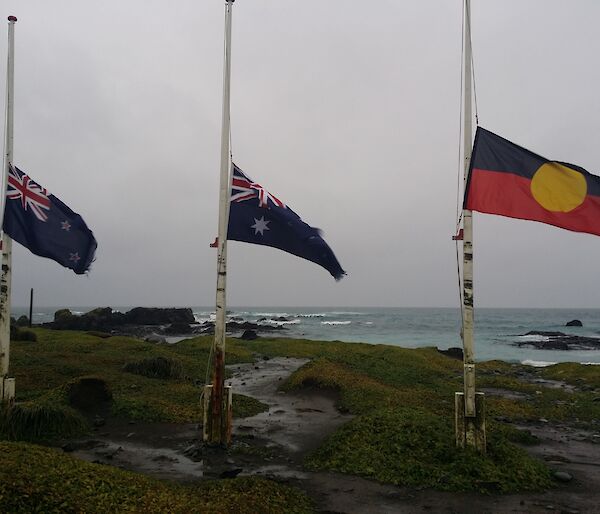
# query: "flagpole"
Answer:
x=470 y=420
x=217 y=412
x=7 y=385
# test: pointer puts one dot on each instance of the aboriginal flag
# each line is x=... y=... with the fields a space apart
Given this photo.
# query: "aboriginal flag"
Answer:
x=509 y=180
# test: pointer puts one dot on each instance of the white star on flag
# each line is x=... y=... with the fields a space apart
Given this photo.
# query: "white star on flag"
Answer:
x=260 y=226
x=65 y=225
x=74 y=257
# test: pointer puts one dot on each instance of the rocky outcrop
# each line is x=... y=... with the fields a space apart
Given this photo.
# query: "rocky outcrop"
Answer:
x=574 y=323
x=560 y=341
x=158 y=316
x=102 y=318
x=208 y=327
x=453 y=353
x=105 y=319
x=146 y=322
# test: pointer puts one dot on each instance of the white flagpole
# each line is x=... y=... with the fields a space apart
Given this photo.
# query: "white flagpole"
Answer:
x=469 y=405
x=8 y=384
x=219 y=426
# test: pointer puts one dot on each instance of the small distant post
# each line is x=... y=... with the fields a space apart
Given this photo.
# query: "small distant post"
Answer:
x=31 y=307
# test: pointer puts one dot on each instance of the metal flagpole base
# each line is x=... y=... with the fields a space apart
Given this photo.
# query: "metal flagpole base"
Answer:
x=470 y=431
x=7 y=390
x=217 y=433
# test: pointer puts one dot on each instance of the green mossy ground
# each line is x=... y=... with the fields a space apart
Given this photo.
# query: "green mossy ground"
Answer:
x=44 y=368
x=402 y=399
x=404 y=402
x=34 y=479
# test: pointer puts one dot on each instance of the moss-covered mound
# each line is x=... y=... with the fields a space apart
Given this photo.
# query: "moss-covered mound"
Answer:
x=416 y=448
x=37 y=479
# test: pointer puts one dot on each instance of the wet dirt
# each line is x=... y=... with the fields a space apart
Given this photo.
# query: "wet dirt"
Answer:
x=274 y=443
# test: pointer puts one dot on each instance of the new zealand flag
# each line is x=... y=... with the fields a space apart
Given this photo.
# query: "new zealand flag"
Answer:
x=256 y=216
x=45 y=225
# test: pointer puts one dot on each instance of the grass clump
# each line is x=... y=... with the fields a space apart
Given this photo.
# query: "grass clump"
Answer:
x=156 y=367
x=37 y=479
x=21 y=334
x=40 y=421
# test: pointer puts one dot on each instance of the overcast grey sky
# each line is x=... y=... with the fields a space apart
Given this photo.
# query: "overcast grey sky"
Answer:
x=348 y=111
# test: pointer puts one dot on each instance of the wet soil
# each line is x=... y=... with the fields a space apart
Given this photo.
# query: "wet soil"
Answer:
x=274 y=443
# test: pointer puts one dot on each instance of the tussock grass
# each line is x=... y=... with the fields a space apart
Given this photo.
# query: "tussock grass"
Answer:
x=156 y=367
x=40 y=421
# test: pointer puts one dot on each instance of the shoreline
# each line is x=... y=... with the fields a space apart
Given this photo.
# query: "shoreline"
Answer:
x=500 y=334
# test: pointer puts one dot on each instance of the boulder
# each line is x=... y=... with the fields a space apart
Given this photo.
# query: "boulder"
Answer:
x=574 y=323
x=158 y=316
x=178 y=328
x=562 y=476
x=155 y=338
x=23 y=321
x=560 y=341
x=104 y=319
x=453 y=353
x=249 y=335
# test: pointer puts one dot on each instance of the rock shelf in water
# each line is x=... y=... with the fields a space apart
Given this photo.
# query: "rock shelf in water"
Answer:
x=559 y=341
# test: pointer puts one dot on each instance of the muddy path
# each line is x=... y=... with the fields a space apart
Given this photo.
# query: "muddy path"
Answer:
x=273 y=444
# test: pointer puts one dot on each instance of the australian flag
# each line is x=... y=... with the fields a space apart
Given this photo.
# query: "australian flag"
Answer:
x=46 y=226
x=256 y=216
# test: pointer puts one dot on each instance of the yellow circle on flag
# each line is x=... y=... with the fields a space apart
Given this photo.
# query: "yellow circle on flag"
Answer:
x=558 y=188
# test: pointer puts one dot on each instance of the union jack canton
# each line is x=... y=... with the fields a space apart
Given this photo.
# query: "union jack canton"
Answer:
x=30 y=194
x=244 y=188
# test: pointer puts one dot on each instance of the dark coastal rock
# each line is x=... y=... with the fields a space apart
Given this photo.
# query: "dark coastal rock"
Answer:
x=560 y=341
x=23 y=321
x=231 y=473
x=574 y=323
x=562 y=476
x=453 y=353
x=102 y=319
x=249 y=335
x=134 y=322
x=208 y=327
x=158 y=316
x=155 y=338
x=178 y=328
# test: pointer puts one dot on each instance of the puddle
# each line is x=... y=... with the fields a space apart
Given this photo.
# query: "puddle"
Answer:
x=158 y=462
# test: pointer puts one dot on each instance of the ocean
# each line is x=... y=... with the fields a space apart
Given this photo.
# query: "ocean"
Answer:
x=496 y=330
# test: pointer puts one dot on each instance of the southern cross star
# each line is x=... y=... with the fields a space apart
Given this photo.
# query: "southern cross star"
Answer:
x=65 y=225
x=260 y=226
x=74 y=257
